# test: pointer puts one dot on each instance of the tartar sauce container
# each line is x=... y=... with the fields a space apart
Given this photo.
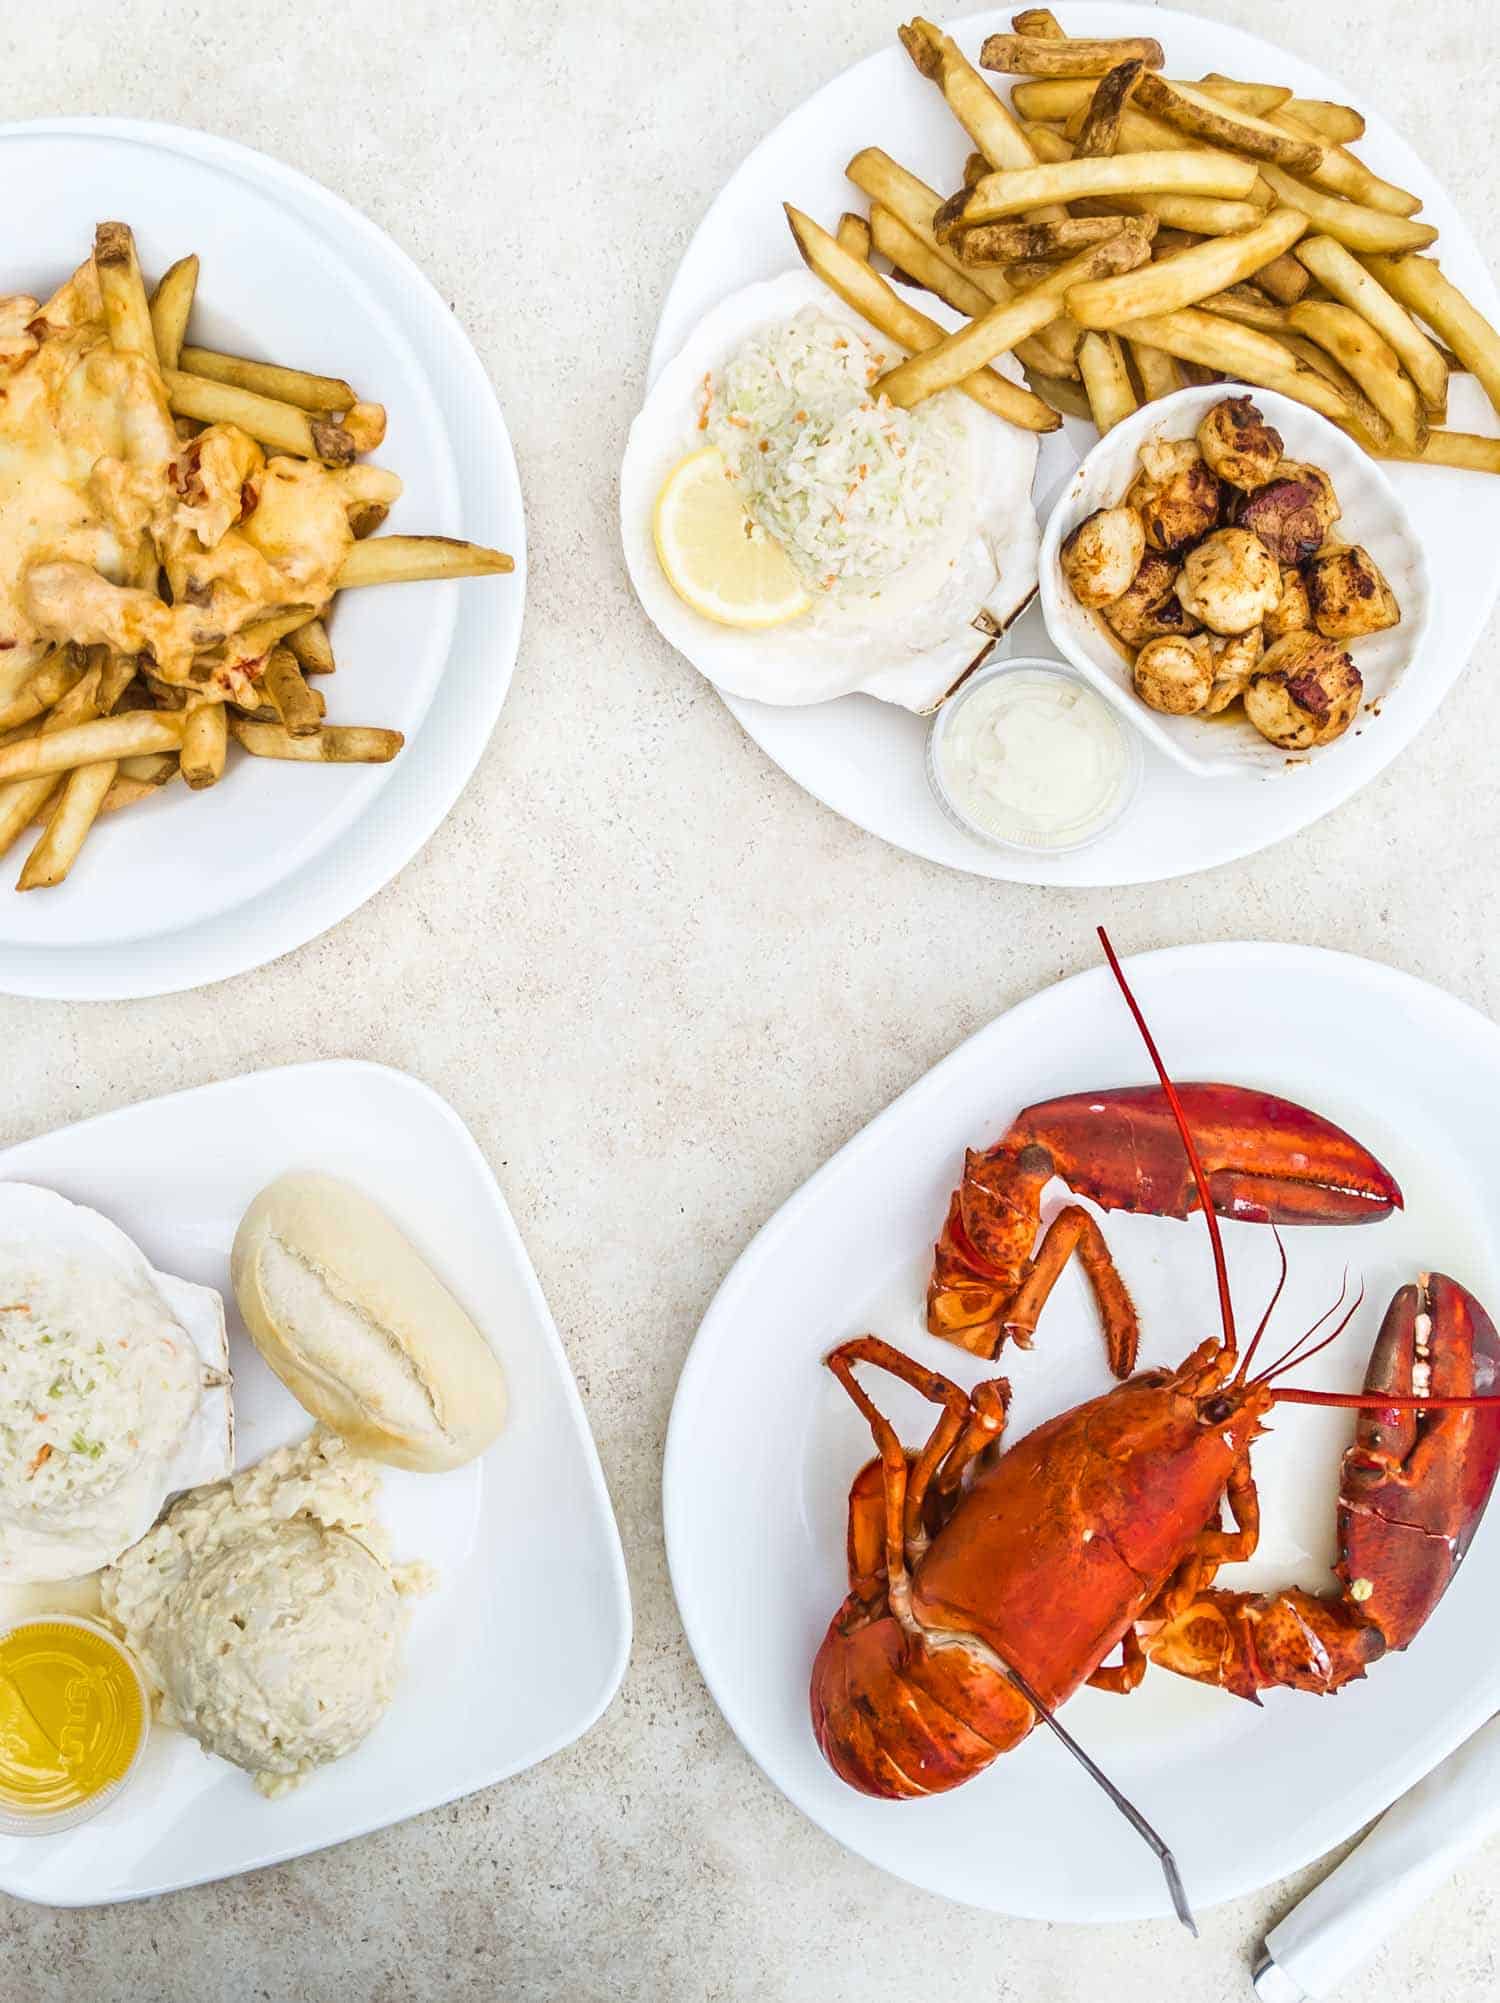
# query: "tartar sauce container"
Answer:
x=1027 y=756
x=74 y=1717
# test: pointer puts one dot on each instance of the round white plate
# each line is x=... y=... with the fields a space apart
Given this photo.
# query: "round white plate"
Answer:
x=865 y=759
x=763 y=1443
x=183 y=891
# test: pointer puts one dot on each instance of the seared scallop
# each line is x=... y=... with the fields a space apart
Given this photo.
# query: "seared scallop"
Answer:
x=1150 y=608
x=1238 y=443
x=1305 y=692
x=1291 y=612
x=1347 y=595
x=1235 y=661
x=1176 y=494
x=1175 y=675
x=1292 y=513
x=1230 y=581
x=1102 y=555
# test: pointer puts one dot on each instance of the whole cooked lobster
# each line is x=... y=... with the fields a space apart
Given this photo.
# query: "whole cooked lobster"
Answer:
x=977 y=1575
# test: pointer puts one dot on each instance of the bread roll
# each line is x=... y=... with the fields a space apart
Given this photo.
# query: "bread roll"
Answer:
x=360 y=1329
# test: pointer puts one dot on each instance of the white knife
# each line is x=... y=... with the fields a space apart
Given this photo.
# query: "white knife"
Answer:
x=1415 y=1847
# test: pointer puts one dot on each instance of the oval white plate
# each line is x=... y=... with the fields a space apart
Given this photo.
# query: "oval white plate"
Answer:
x=864 y=759
x=187 y=890
x=1392 y=663
x=763 y=1444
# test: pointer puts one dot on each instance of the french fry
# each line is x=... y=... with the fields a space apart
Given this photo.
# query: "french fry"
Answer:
x=92 y=743
x=1246 y=355
x=1340 y=173
x=960 y=354
x=48 y=682
x=1106 y=379
x=1186 y=277
x=405 y=559
x=152 y=770
x=1259 y=99
x=1201 y=215
x=1067 y=398
x=1373 y=363
x=338 y=745
x=67 y=830
x=1157 y=372
x=1007 y=243
x=1422 y=287
x=975 y=169
x=1250 y=307
x=1101 y=126
x=1342 y=274
x=986 y=118
x=365 y=425
x=282 y=426
x=853 y=235
x=1190 y=173
x=1337 y=123
x=877 y=175
x=1470 y=451
x=293 y=700
x=1051 y=99
x=295 y=386
x=20 y=801
x=123 y=292
x=205 y=738
x=1351 y=223
x=1139 y=132
x=1072 y=56
x=1039 y=21
x=1284 y=278
x=311 y=648
x=171 y=308
x=867 y=292
x=1192 y=111
x=127 y=793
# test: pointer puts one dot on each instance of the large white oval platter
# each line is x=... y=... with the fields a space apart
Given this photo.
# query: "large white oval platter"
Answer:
x=864 y=758
x=763 y=1444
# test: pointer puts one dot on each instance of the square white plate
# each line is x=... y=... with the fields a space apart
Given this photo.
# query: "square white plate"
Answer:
x=524 y=1642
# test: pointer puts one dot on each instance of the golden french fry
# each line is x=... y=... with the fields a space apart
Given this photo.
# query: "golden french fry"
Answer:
x=67 y=830
x=1139 y=132
x=345 y=744
x=49 y=680
x=867 y=292
x=1200 y=215
x=123 y=292
x=1421 y=285
x=22 y=800
x=1007 y=243
x=205 y=737
x=988 y=121
x=1067 y=398
x=1340 y=173
x=1106 y=379
x=1052 y=99
x=311 y=648
x=103 y=738
x=1284 y=278
x=1186 y=277
x=1351 y=223
x=1338 y=123
x=1157 y=372
x=171 y=308
x=405 y=559
x=129 y=793
x=1192 y=111
x=853 y=234
x=1100 y=131
x=294 y=701
x=1013 y=191
x=295 y=386
x=1373 y=363
x=1342 y=274
x=282 y=426
x=1468 y=450
x=152 y=770
x=1250 y=307
x=973 y=346
x=1072 y=56
x=365 y=424
x=1248 y=356
x=1038 y=21
x=1259 y=99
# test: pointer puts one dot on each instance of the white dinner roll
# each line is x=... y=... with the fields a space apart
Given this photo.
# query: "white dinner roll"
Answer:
x=360 y=1329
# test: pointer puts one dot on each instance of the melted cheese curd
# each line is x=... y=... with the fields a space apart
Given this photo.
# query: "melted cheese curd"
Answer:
x=102 y=494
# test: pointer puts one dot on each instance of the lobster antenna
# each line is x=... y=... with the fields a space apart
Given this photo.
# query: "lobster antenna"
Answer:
x=1205 y=1200
x=1127 y=1808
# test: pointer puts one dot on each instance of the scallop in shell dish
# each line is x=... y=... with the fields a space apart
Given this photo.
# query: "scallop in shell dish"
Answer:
x=114 y=1388
x=913 y=531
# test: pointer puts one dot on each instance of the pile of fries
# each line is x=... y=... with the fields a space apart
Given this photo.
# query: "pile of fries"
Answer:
x=1123 y=235
x=107 y=715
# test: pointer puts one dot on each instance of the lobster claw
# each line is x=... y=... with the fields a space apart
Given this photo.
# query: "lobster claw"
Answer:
x=1415 y=1483
x=1268 y=1161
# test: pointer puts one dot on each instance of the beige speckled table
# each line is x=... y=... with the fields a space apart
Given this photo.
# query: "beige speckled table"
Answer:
x=662 y=985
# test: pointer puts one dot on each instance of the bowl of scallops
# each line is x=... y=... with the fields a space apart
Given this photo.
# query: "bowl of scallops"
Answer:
x=1238 y=578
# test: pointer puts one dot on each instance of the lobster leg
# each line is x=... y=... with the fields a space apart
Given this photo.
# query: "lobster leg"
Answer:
x=1074 y=1230
x=1125 y=1675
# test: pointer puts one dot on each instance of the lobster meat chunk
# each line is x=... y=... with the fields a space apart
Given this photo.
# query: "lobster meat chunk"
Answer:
x=1266 y=1160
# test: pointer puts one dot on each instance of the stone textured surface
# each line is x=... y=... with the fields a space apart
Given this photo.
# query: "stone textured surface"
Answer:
x=662 y=985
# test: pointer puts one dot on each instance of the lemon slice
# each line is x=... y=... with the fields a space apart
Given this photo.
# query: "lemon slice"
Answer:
x=715 y=557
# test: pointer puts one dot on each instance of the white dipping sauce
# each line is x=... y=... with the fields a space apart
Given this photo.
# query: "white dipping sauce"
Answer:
x=1032 y=757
